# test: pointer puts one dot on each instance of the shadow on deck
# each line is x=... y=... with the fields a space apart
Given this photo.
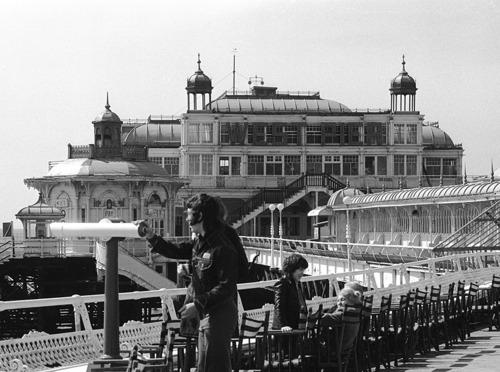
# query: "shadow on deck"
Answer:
x=479 y=353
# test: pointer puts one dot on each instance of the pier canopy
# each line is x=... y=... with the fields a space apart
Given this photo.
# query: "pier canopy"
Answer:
x=478 y=191
x=336 y=199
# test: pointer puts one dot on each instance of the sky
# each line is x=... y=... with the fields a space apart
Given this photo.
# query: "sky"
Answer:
x=59 y=58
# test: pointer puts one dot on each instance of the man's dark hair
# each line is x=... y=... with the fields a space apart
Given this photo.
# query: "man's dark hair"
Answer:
x=206 y=209
x=294 y=262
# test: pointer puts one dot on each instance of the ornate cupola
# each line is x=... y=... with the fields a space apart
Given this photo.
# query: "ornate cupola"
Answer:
x=198 y=86
x=107 y=133
x=403 y=91
x=37 y=217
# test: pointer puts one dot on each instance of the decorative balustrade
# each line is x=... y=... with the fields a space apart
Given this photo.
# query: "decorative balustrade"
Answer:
x=80 y=151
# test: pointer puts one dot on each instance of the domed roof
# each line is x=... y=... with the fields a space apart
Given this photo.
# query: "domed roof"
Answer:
x=107 y=115
x=337 y=198
x=154 y=134
x=95 y=167
x=40 y=211
x=434 y=136
x=403 y=83
x=199 y=82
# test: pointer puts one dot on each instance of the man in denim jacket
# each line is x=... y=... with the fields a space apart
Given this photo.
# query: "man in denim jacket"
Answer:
x=212 y=294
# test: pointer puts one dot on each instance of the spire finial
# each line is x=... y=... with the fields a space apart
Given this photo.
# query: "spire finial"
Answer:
x=492 y=178
x=403 y=63
x=465 y=174
x=199 y=62
x=107 y=101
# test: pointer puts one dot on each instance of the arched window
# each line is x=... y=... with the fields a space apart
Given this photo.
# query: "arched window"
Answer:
x=107 y=137
x=109 y=204
x=154 y=199
x=98 y=137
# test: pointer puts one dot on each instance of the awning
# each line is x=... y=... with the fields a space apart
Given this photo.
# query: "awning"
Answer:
x=324 y=210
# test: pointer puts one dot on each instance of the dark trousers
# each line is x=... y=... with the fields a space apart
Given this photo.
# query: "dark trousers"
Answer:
x=214 y=340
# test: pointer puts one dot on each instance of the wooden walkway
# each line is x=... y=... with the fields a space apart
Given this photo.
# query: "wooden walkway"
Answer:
x=479 y=353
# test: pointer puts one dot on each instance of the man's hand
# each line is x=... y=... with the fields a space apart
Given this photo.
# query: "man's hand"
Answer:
x=149 y=234
x=189 y=311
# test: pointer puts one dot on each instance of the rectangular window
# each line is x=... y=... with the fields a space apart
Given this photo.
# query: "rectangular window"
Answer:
x=83 y=214
x=278 y=136
x=345 y=134
x=235 y=165
x=350 y=165
x=194 y=133
x=432 y=166
x=255 y=165
x=314 y=164
x=224 y=165
x=411 y=134
x=371 y=133
x=329 y=131
x=194 y=165
x=399 y=165
x=292 y=165
x=313 y=134
x=274 y=165
x=355 y=134
x=200 y=133
x=268 y=134
x=449 y=167
x=156 y=160
x=206 y=164
x=383 y=134
x=171 y=165
x=250 y=133
x=224 y=133
x=291 y=135
x=411 y=165
x=369 y=165
x=337 y=133
x=333 y=165
x=207 y=133
x=399 y=138
x=259 y=134
x=382 y=165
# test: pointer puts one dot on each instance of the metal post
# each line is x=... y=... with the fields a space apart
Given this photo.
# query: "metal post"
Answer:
x=348 y=239
x=272 y=207
x=347 y=201
x=280 y=207
x=111 y=303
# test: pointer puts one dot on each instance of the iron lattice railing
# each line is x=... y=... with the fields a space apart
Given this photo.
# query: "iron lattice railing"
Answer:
x=279 y=195
x=481 y=234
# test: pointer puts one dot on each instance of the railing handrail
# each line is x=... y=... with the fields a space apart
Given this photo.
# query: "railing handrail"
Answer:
x=71 y=300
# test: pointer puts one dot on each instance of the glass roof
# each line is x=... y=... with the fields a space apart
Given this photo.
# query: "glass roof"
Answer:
x=422 y=193
x=278 y=104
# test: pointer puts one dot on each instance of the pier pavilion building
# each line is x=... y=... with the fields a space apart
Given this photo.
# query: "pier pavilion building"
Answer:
x=260 y=147
x=108 y=179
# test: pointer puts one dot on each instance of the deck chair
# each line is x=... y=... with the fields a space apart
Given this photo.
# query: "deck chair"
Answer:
x=249 y=349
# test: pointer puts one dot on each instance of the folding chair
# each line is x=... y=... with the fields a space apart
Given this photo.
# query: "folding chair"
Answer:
x=249 y=349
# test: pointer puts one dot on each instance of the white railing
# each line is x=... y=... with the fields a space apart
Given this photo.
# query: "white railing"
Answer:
x=65 y=348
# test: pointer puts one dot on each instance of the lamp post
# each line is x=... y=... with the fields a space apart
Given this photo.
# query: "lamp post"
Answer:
x=280 y=207
x=347 y=200
x=272 y=207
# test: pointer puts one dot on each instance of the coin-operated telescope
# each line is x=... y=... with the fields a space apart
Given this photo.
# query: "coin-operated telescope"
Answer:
x=110 y=231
